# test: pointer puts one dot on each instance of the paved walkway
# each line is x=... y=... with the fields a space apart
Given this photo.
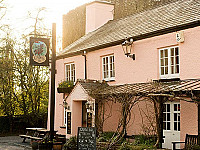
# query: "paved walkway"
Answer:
x=14 y=143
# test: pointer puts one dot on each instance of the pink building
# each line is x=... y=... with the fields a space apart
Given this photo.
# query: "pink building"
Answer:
x=166 y=49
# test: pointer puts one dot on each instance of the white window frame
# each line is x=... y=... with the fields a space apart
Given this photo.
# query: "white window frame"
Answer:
x=111 y=68
x=170 y=74
x=172 y=119
x=71 y=78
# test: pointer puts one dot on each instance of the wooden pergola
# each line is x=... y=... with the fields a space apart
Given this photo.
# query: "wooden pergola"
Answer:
x=160 y=92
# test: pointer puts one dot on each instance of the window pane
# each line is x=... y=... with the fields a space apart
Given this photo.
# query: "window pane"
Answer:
x=177 y=68
x=172 y=60
x=172 y=69
x=67 y=72
x=162 y=70
x=176 y=51
x=161 y=54
x=175 y=126
x=172 y=51
x=178 y=116
x=166 y=53
x=166 y=61
x=166 y=70
x=104 y=61
x=162 y=62
x=168 y=125
x=179 y=107
x=168 y=107
x=113 y=70
x=104 y=75
x=175 y=116
x=177 y=59
x=178 y=126
x=168 y=116
x=175 y=107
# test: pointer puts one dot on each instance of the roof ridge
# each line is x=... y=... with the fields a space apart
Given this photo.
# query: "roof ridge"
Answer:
x=153 y=8
x=177 y=15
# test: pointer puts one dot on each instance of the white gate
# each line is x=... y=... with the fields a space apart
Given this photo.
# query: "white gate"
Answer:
x=171 y=124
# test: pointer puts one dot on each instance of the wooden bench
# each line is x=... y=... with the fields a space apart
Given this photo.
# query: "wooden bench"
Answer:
x=25 y=137
x=35 y=136
x=190 y=140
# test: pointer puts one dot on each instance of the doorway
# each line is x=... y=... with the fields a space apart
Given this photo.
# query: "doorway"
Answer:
x=171 y=124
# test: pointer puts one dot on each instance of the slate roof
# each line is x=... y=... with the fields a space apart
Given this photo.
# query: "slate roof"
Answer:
x=148 y=23
x=180 y=87
x=176 y=87
x=91 y=85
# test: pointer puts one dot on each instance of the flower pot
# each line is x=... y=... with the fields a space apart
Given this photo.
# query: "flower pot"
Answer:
x=64 y=90
x=34 y=145
x=45 y=146
x=57 y=146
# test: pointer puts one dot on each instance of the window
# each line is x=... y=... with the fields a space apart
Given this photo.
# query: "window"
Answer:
x=108 y=68
x=169 y=62
x=171 y=116
x=70 y=72
x=176 y=117
x=166 y=117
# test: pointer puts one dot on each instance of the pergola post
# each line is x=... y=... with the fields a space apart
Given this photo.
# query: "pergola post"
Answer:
x=198 y=123
x=161 y=100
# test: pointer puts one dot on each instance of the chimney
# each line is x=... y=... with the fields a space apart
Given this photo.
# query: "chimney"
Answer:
x=97 y=14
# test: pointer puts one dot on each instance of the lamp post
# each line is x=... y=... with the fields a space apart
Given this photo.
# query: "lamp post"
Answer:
x=127 y=46
x=53 y=72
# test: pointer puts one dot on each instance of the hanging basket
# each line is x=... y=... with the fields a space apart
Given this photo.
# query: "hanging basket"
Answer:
x=64 y=90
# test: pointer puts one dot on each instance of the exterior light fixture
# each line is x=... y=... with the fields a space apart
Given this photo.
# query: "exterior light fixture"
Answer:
x=127 y=46
x=66 y=105
x=89 y=106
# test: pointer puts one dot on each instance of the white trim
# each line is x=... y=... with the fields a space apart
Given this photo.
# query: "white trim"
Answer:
x=70 y=70
x=109 y=78
x=169 y=75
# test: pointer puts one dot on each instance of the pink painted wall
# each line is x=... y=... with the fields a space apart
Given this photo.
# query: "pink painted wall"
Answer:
x=76 y=116
x=189 y=119
x=97 y=14
x=143 y=69
x=142 y=116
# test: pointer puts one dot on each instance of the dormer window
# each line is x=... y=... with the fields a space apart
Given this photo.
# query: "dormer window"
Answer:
x=169 y=62
x=108 y=68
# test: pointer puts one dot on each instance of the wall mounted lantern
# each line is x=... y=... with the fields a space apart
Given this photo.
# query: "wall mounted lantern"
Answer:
x=65 y=104
x=127 y=46
x=89 y=106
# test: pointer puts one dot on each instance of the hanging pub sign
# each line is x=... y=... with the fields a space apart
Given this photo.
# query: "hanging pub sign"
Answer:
x=39 y=51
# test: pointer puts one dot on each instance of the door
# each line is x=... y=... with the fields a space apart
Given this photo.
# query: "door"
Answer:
x=171 y=124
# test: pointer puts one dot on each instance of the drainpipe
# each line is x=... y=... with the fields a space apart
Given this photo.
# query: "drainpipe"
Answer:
x=84 y=54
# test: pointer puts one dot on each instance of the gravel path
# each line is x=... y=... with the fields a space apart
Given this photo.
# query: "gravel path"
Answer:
x=14 y=143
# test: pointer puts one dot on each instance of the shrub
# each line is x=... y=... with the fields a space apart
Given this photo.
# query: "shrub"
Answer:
x=126 y=146
x=144 y=140
x=66 y=84
x=105 y=136
x=71 y=144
